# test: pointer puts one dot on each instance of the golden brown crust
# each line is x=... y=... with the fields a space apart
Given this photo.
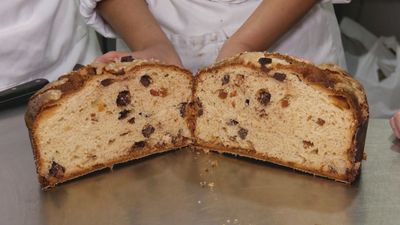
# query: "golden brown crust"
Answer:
x=330 y=77
x=264 y=157
x=74 y=81
x=345 y=91
x=53 y=91
x=48 y=97
x=48 y=183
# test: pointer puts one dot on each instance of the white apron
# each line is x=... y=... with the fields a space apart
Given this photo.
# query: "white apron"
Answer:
x=198 y=29
x=42 y=39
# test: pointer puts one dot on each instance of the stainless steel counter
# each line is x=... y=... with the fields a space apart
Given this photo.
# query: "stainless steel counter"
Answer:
x=189 y=187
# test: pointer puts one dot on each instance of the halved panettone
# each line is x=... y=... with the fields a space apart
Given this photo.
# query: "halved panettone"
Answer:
x=106 y=114
x=265 y=106
x=283 y=110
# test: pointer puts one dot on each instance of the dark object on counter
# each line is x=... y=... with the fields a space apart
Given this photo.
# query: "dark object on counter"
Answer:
x=20 y=94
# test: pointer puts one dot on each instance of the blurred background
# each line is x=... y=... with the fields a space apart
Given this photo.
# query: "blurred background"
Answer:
x=381 y=17
x=370 y=33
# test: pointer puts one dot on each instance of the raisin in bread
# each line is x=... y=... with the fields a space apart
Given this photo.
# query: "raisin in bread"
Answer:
x=265 y=106
x=106 y=114
x=284 y=110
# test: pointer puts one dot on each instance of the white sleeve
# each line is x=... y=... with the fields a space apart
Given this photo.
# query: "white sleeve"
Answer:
x=87 y=9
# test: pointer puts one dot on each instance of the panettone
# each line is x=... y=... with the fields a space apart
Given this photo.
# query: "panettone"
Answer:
x=265 y=106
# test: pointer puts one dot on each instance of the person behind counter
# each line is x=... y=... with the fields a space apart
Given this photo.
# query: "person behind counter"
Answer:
x=195 y=33
x=42 y=39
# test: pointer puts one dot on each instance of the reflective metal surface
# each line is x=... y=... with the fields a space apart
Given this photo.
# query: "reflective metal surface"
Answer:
x=189 y=187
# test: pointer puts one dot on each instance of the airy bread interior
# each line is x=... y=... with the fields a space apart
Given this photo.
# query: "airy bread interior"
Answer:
x=266 y=106
x=274 y=116
x=113 y=119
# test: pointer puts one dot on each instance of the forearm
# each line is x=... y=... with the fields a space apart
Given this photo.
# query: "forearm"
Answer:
x=133 y=21
x=270 y=21
x=135 y=24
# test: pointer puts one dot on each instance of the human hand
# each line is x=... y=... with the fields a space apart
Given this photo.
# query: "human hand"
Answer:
x=395 y=124
x=231 y=48
x=161 y=53
x=266 y=25
x=135 y=24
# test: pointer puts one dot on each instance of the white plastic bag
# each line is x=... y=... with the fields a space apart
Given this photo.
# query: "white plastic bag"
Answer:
x=378 y=68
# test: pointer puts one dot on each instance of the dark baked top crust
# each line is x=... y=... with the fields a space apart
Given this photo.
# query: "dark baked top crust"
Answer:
x=75 y=80
x=330 y=77
x=345 y=91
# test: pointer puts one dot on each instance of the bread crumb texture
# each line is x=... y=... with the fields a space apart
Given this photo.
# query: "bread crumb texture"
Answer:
x=265 y=106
